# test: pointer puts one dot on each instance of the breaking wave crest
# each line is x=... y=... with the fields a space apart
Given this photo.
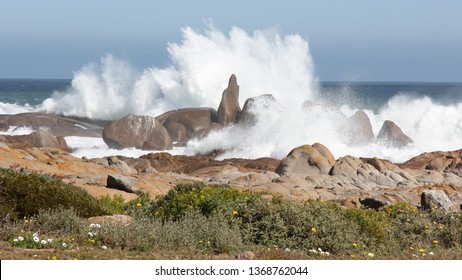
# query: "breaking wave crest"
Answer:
x=264 y=63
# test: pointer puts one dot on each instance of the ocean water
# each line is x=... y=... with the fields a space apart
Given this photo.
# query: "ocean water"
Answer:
x=265 y=63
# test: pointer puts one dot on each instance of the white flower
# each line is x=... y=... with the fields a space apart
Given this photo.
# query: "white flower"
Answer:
x=49 y=240
x=319 y=249
x=36 y=239
x=370 y=255
x=327 y=253
x=313 y=251
x=15 y=240
x=97 y=226
x=20 y=238
x=90 y=234
x=35 y=235
x=44 y=242
x=92 y=225
x=64 y=245
x=104 y=247
x=431 y=253
x=287 y=249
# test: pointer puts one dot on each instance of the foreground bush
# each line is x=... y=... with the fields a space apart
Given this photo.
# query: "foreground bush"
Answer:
x=222 y=220
x=25 y=194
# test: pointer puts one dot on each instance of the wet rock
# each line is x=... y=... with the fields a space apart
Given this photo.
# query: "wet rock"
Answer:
x=255 y=106
x=229 y=109
x=142 y=132
x=38 y=139
x=56 y=125
x=359 y=129
x=187 y=123
x=392 y=135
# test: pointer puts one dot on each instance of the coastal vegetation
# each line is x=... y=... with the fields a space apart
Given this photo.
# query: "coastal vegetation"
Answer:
x=43 y=218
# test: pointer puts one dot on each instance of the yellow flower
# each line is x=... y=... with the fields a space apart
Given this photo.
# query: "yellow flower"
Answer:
x=55 y=258
x=426 y=227
x=139 y=204
x=435 y=242
x=355 y=245
x=313 y=230
x=235 y=213
x=408 y=220
x=370 y=255
x=92 y=241
x=422 y=250
x=411 y=248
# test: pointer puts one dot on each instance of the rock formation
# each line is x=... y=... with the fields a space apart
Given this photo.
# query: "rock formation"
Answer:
x=38 y=139
x=142 y=132
x=229 y=109
x=187 y=123
x=255 y=105
x=304 y=174
x=56 y=125
x=359 y=129
x=437 y=199
x=392 y=135
x=306 y=160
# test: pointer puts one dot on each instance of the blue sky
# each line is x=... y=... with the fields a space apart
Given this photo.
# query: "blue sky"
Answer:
x=349 y=40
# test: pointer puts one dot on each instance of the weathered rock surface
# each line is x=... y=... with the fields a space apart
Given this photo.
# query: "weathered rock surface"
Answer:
x=229 y=109
x=56 y=125
x=449 y=162
x=187 y=123
x=392 y=135
x=306 y=160
x=142 y=132
x=120 y=182
x=38 y=139
x=437 y=199
x=311 y=173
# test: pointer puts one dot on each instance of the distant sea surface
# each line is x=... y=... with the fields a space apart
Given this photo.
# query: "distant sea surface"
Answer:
x=360 y=95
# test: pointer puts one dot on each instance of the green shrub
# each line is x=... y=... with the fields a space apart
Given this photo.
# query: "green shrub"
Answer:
x=375 y=226
x=292 y=225
x=195 y=231
x=28 y=194
x=206 y=199
x=115 y=204
x=59 y=221
x=138 y=235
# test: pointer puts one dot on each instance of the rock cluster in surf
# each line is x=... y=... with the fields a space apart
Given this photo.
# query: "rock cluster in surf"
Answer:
x=185 y=124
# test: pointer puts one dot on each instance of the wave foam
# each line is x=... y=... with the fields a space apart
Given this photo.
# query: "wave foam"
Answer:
x=200 y=68
x=264 y=63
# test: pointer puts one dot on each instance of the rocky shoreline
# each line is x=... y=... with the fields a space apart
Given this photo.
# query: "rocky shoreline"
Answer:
x=307 y=172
